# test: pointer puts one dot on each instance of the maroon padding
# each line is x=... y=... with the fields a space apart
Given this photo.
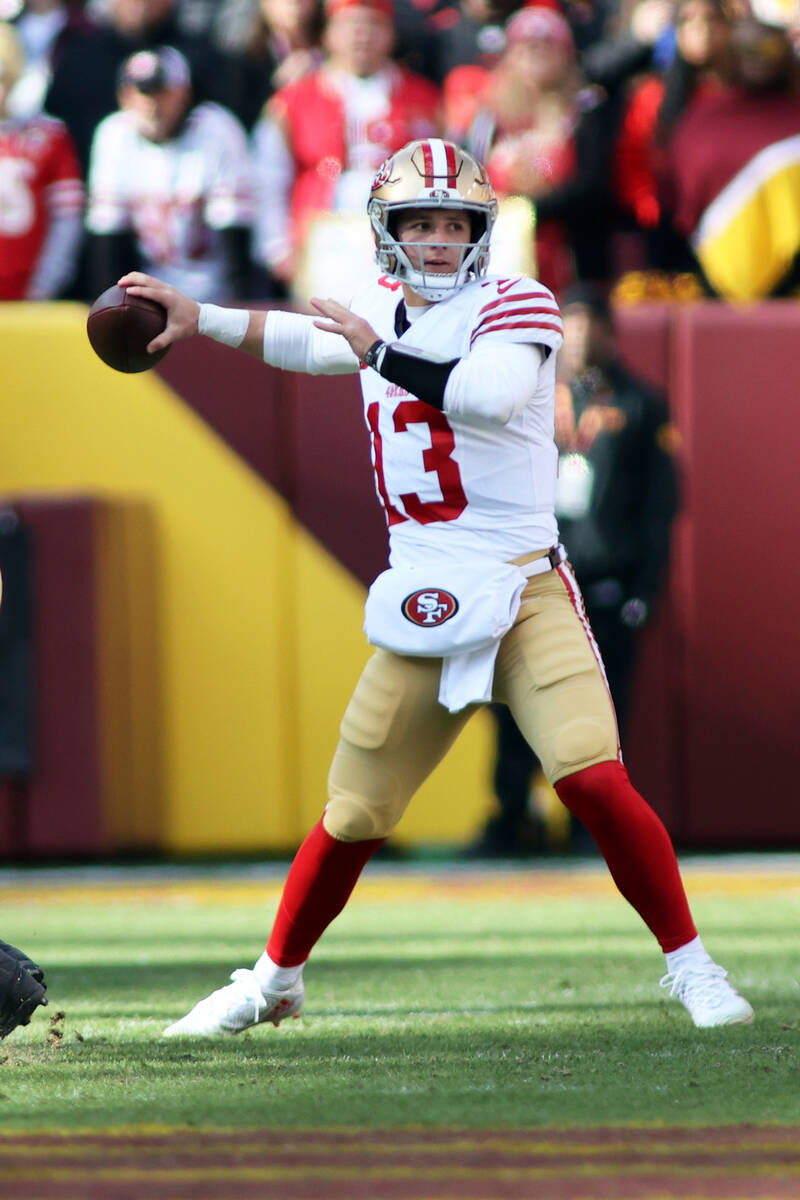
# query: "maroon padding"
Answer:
x=645 y=341
x=58 y=811
x=651 y=742
x=735 y=393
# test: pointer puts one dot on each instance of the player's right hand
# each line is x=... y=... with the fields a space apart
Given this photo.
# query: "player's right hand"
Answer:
x=182 y=311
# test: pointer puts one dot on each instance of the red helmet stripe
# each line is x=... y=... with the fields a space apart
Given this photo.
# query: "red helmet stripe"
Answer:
x=452 y=170
x=427 y=163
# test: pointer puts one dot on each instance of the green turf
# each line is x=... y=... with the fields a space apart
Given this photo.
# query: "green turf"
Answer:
x=475 y=1011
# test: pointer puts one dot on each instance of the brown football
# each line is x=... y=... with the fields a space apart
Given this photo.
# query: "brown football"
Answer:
x=120 y=326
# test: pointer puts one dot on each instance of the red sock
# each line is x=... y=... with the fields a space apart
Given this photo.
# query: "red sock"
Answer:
x=318 y=886
x=636 y=846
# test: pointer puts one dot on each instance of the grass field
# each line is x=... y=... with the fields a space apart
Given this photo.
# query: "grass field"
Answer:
x=439 y=998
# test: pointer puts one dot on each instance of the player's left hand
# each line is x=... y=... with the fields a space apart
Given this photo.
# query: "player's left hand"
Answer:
x=358 y=332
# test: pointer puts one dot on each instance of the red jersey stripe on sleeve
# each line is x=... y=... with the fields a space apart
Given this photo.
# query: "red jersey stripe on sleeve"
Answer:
x=549 y=326
x=546 y=296
x=522 y=310
x=493 y=320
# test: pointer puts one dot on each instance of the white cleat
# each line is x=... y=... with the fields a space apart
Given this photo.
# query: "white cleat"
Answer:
x=703 y=990
x=238 y=1006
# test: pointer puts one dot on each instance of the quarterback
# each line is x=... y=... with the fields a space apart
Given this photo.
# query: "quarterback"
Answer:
x=457 y=371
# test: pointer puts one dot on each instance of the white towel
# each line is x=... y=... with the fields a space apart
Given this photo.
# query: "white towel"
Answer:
x=468 y=678
x=456 y=613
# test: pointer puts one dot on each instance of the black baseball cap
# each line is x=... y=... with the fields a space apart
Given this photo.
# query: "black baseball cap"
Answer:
x=153 y=70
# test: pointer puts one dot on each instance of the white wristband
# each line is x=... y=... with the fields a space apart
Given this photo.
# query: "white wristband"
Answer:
x=226 y=325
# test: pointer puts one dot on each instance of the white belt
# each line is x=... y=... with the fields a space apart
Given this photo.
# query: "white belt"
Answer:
x=548 y=562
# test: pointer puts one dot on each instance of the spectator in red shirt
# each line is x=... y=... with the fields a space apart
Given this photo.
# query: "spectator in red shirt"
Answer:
x=323 y=137
x=41 y=194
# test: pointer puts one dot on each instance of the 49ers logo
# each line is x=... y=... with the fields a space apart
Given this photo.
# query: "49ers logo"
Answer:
x=383 y=174
x=429 y=606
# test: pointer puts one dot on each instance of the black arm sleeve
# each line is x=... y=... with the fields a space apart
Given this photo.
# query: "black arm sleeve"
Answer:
x=419 y=375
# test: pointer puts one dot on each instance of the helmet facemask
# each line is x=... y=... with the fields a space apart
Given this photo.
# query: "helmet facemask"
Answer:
x=395 y=257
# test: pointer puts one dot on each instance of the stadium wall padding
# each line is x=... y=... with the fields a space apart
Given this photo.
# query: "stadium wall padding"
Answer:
x=713 y=741
x=205 y=535
x=196 y=639
x=736 y=586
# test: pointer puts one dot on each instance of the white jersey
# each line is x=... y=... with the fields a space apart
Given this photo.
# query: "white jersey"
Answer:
x=175 y=196
x=464 y=486
x=476 y=480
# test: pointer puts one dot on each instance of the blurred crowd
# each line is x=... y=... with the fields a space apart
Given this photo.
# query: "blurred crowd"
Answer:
x=652 y=146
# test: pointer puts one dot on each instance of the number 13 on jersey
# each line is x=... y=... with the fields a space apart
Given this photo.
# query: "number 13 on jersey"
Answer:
x=437 y=458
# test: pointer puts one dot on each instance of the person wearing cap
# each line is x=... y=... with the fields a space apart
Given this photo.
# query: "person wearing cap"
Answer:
x=41 y=200
x=615 y=500
x=544 y=134
x=323 y=137
x=170 y=183
x=83 y=88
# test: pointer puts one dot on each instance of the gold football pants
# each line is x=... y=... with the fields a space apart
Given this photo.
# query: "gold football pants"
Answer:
x=394 y=731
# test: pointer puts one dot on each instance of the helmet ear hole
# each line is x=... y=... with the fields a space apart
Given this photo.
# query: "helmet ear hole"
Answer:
x=477 y=225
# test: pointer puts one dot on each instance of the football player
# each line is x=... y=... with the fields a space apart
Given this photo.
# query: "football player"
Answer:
x=458 y=378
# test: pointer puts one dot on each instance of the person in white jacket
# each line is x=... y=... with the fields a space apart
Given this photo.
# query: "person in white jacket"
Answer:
x=170 y=184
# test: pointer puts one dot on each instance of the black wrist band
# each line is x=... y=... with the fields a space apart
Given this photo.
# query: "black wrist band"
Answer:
x=373 y=352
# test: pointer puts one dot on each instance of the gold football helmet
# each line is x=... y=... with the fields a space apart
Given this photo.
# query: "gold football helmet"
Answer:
x=431 y=174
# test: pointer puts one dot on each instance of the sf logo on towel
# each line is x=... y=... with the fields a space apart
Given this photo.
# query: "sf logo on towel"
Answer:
x=432 y=606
